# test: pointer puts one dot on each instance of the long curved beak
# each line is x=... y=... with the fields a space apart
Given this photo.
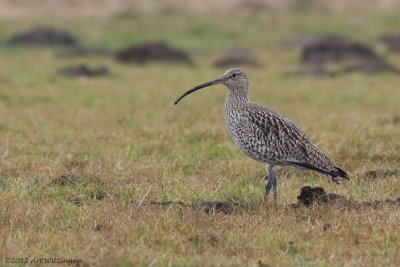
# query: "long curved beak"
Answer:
x=198 y=87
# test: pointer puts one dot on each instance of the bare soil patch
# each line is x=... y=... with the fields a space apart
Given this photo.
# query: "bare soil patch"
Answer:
x=83 y=71
x=43 y=36
x=148 y=52
x=317 y=196
x=78 y=201
x=225 y=207
x=101 y=195
x=333 y=55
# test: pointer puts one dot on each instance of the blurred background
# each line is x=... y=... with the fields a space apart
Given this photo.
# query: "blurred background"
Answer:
x=223 y=33
x=107 y=8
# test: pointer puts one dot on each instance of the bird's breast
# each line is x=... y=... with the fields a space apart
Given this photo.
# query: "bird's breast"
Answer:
x=232 y=118
x=234 y=127
x=244 y=135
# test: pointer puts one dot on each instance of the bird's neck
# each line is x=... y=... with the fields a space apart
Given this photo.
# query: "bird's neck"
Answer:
x=237 y=96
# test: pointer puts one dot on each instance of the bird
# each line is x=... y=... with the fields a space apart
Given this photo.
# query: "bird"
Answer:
x=267 y=136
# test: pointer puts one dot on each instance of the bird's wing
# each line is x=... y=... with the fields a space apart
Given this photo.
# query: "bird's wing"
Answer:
x=289 y=143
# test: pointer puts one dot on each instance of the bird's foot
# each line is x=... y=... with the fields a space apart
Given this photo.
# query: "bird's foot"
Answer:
x=336 y=180
x=265 y=201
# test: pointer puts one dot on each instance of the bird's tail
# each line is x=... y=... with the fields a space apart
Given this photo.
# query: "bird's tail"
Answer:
x=335 y=172
x=338 y=172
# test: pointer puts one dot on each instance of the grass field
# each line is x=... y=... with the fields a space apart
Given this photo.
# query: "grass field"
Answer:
x=127 y=145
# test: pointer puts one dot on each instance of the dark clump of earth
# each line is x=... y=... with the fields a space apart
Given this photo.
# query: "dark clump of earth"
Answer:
x=310 y=196
x=374 y=174
x=148 y=52
x=97 y=227
x=317 y=195
x=77 y=201
x=225 y=207
x=235 y=57
x=83 y=71
x=43 y=36
x=99 y=195
x=65 y=179
x=167 y=203
x=334 y=55
x=392 y=41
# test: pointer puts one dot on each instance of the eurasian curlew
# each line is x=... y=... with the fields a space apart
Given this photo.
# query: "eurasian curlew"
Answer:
x=265 y=135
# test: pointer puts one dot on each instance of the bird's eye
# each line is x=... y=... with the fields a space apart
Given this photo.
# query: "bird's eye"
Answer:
x=234 y=75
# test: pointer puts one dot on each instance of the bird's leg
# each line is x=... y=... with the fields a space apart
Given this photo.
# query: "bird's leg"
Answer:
x=271 y=184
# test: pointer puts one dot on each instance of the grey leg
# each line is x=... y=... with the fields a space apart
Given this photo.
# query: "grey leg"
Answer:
x=271 y=184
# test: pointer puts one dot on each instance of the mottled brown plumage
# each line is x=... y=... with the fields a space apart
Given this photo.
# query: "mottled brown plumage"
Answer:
x=265 y=135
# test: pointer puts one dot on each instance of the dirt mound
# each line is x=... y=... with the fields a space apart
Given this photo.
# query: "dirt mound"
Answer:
x=333 y=55
x=168 y=203
x=65 y=179
x=392 y=42
x=374 y=174
x=334 y=48
x=225 y=207
x=317 y=195
x=147 y=52
x=235 y=57
x=100 y=195
x=78 y=201
x=43 y=36
x=83 y=71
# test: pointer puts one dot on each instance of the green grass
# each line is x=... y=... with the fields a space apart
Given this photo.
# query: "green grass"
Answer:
x=125 y=139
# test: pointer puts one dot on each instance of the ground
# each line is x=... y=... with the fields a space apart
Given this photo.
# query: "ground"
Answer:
x=86 y=163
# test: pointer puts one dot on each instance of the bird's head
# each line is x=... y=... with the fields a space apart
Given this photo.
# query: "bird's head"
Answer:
x=233 y=78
